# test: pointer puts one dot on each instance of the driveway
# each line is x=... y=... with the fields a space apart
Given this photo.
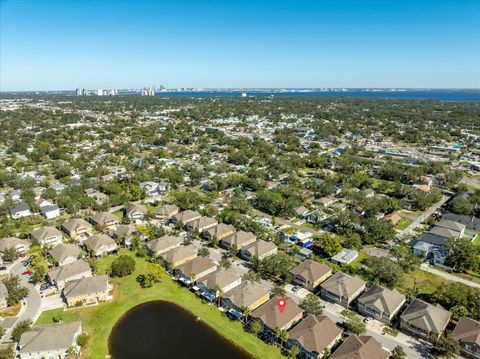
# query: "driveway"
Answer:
x=31 y=305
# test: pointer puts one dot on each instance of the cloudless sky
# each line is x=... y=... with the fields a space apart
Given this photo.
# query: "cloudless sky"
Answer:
x=62 y=44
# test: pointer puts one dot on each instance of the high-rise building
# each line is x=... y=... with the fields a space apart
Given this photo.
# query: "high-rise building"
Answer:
x=99 y=92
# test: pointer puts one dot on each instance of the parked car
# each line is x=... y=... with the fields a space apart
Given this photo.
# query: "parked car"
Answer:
x=295 y=289
x=27 y=272
x=367 y=319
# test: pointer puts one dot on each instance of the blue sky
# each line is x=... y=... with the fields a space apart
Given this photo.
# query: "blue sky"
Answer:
x=62 y=44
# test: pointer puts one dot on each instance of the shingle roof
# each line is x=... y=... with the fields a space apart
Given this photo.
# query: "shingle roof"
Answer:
x=12 y=242
x=467 y=331
x=74 y=224
x=177 y=254
x=197 y=265
x=315 y=332
x=271 y=316
x=360 y=347
x=69 y=270
x=239 y=238
x=161 y=244
x=41 y=233
x=85 y=286
x=104 y=217
x=246 y=294
x=49 y=337
x=222 y=277
x=342 y=284
x=426 y=316
x=260 y=247
x=99 y=240
x=62 y=251
x=310 y=270
x=386 y=300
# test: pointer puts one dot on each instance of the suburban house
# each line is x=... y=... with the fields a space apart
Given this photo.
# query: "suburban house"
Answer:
x=50 y=212
x=20 y=245
x=259 y=249
x=313 y=335
x=185 y=217
x=238 y=240
x=65 y=253
x=346 y=256
x=246 y=295
x=165 y=212
x=75 y=270
x=135 y=211
x=424 y=320
x=90 y=290
x=363 y=346
x=342 y=289
x=101 y=244
x=20 y=210
x=177 y=256
x=163 y=244
x=471 y=223
x=47 y=236
x=309 y=274
x=452 y=226
x=78 y=228
x=151 y=188
x=97 y=196
x=201 y=224
x=3 y=296
x=467 y=334
x=105 y=221
x=381 y=303
x=49 y=341
x=222 y=280
x=195 y=269
x=270 y=316
x=219 y=232
x=125 y=232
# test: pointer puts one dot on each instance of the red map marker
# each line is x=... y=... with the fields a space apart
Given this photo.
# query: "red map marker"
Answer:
x=281 y=304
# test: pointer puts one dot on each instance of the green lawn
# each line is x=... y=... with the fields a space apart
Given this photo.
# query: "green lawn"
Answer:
x=99 y=320
x=426 y=282
x=404 y=223
x=476 y=241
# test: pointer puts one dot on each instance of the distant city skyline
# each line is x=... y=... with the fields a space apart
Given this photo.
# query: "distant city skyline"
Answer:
x=64 y=45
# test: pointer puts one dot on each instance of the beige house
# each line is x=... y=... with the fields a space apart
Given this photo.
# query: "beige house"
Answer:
x=163 y=244
x=309 y=274
x=75 y=270
x=313 y=335
x=49 y=341
x=195 y=269
x=381 y=303
x=101 y=244
x=201 y=224
x=78 y=229
x=363 y=346
x=246 y=295
x=105 y=221
x=86 y=291
x=219 y=232
x=136 y=211
x=183 y=218
x=223 y=279
x=177 y=256
x=65 y=253
x=238 y=240
x=467 y=334
x=271 y=317
x=47 y=236
x=424 y=320
x=259 y=249
x=164 y=213
x=342 y=289
x=20 y=245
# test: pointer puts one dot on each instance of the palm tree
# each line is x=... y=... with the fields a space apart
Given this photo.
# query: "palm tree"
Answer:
x=281 y=335
x=193 y=276
x=219 y=292
x=246 y=313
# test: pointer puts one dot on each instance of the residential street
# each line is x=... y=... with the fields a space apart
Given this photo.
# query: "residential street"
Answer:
x=282 y=221
x=30 y=305
x=418 y=220
x=425 y=267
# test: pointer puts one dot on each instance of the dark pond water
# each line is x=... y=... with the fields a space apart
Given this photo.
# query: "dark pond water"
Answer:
x=160 y=329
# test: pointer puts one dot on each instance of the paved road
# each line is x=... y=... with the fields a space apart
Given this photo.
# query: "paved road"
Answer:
x=31 y=309
x=471 y=182
x=418 y=220
x=451 y=277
